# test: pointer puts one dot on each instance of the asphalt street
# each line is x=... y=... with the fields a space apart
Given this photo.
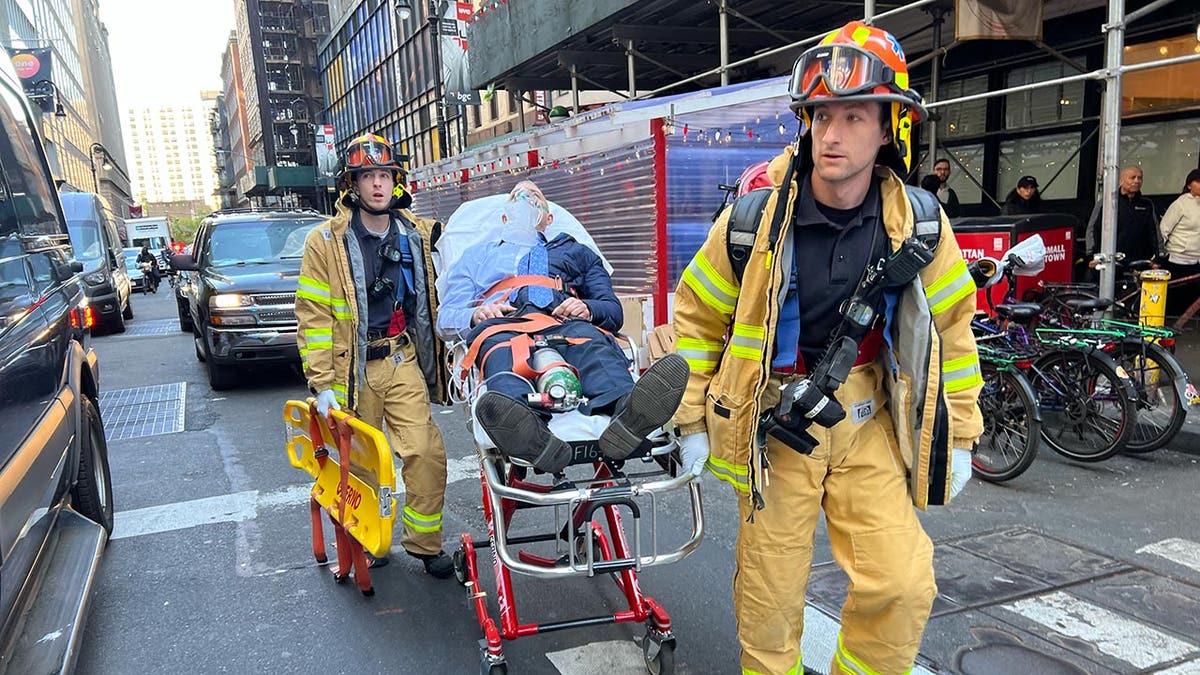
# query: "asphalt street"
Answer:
x=1070 y=568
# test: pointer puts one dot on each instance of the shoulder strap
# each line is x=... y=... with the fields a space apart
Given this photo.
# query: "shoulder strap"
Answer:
x=740 y=231
x=927 y=216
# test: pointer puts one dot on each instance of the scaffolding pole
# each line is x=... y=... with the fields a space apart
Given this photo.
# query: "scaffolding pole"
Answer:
x=1110 y=143
x=631 y=64
x=724 y=45
x=935 y=79
x=574 y=90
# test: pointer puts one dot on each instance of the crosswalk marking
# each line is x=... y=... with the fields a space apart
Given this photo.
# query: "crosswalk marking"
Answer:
x=1179 y=551
x=1111 y=633
x=819 y=642
x=240 y=506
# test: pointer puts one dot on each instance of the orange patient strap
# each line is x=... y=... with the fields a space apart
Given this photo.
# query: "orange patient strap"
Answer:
x=530 y=323
x=507 y=286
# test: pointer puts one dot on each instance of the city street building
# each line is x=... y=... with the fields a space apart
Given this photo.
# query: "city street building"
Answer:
x=381 y=75
x=173 y=159
x=277 y=55
x=233 y=150
x=80 y=116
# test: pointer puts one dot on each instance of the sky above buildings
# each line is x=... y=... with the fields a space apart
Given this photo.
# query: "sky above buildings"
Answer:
x=166 y=51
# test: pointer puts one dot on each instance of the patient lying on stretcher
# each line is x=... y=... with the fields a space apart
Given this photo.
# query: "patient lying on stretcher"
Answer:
x=508 y=299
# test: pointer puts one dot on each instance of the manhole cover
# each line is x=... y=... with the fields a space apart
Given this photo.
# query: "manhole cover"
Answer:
x=143 y=411
x=152 y=327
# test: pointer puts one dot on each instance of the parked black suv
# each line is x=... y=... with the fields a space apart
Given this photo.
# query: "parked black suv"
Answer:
x=55 y=491
x=241 y=301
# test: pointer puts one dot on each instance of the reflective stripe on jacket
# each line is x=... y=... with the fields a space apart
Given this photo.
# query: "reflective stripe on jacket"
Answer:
x=332 y=333
x=726 y=333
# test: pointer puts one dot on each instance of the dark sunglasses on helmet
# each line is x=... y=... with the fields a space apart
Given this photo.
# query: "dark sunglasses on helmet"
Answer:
x=845 y=70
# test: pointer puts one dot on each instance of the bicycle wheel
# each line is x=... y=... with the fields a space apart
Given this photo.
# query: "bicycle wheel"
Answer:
x=1155 y=374
x=1011 y=424
x=1087 y=406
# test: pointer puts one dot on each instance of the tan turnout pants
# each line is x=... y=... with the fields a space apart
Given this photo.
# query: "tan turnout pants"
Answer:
x=857 y=476
x=396 y=400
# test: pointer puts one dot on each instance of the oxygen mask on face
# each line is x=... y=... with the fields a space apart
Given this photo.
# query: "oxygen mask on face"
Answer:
x=521 y=218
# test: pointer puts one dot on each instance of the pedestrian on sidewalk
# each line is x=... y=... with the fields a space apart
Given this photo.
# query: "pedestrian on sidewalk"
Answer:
x=1024 y=199
x=366 y=309
x=837 y=211
x=1180 y=230
x=1137 y=221
x=946 y=194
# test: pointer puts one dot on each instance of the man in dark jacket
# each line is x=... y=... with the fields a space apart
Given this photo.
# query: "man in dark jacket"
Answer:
x=564 y=285
x=1137 y=221
x=1024 y=199
x=946 y=194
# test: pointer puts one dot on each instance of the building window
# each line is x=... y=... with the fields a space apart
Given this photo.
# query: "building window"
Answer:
x=1156 y=90
x=970 y=156
x=963 y=119
x=1041 y=157
x=1044 y=105
x=1166 y=151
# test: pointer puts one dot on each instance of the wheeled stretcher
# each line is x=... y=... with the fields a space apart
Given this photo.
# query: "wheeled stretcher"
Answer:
x=604 y=522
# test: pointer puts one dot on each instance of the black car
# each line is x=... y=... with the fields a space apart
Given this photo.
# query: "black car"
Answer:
x=55 y=491
x=240 y=299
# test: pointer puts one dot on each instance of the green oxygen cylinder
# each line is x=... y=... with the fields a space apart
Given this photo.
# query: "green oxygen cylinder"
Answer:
x=557 y=380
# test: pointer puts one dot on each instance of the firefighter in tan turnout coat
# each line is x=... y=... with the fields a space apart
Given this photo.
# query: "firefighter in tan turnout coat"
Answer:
x=836 y=211
x=365 y=305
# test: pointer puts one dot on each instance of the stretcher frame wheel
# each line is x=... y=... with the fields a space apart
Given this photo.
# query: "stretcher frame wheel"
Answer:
x=460 y=565
x=658 y=652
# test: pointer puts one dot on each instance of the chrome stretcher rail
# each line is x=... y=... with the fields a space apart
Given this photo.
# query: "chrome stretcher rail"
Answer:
x=604 y=496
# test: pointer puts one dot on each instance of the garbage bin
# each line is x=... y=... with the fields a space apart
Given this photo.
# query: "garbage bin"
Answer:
x=992 y=236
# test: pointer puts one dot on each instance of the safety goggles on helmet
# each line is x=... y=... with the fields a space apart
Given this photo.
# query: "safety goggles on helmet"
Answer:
x=839 y=70
x=370 y=151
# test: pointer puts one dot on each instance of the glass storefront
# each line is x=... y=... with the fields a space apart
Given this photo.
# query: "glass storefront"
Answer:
x=1045 y=105
x=1166 y=151
x=1050 y=159
x=1161 y=89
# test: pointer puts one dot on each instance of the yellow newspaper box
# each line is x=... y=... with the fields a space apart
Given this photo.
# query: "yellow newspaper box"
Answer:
x=355 y=480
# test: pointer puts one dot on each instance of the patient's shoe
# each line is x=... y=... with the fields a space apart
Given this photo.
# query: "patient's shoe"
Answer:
x=650 y=405
x=518 y=432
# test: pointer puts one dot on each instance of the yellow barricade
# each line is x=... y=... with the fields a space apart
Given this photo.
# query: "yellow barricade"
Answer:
x=368 y=511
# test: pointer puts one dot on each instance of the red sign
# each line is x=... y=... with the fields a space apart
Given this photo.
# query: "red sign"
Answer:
x=135 y=211
x=976 y=245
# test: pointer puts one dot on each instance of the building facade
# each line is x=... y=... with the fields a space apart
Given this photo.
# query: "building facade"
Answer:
x=233 y=156
x=276 y=53
x=379 y=75
x=172 y=152
x=83 y=86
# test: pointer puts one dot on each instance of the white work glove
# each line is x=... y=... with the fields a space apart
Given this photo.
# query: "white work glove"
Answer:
x=960 y=471
x=693 y=452
x=326 y=400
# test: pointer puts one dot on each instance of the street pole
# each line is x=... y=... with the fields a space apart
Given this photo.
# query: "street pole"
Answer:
x=92 y=161
x=439 y=8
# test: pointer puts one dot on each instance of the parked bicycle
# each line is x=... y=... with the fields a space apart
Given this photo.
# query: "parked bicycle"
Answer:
x=1087 y=403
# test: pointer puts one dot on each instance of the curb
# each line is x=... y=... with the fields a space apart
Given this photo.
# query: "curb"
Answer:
x=1188 y=439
